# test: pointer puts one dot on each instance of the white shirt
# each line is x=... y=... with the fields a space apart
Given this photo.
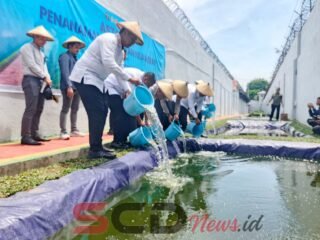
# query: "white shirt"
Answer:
x=33 y=61
x=103 y=57
x=114 y=86
x=194 y=99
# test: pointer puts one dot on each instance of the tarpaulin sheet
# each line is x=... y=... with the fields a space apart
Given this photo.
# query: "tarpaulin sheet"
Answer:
x=302 y=150
x=41 y=212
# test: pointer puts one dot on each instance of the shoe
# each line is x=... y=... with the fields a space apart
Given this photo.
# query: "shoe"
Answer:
x=64 y=136
x=117 y=145
x=108 y=150
x=77 y=134
x=101 y=154
x=29 y=141
x=40 y=139
x=204 y=136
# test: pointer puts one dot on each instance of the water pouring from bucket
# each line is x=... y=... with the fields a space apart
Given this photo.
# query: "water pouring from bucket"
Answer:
x=140 y=99
x=173 y=131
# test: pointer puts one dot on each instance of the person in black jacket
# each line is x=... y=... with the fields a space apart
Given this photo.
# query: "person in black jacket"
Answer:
x=314 y=113
x=71 y=99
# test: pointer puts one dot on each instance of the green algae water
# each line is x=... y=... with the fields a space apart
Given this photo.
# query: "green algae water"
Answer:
x=223 y=197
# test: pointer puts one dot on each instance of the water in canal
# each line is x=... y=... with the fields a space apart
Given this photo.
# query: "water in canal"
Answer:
x=222 y=197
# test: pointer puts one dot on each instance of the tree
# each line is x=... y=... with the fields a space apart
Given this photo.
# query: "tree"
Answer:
x=256 y=86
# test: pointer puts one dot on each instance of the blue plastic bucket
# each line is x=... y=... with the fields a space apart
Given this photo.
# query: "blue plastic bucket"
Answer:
x=173 y=131
x=195 y=130
x=211 y=107
x=140 y=137
x=207 y=113
x=138 y=100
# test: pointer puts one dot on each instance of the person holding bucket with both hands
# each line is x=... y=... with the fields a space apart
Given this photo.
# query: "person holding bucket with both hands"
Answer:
x=103 y=57
x=192 y=105
x=117 y=91
x=170 y=108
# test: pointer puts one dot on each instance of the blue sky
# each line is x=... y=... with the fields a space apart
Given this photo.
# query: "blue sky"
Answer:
x=243 y=33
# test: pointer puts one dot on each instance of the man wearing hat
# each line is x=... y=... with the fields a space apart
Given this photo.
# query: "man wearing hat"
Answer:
x=71 y=98
x=103 y=57
x=162 y=91
x=35 y=73
x=170 y=108
x=192 y=105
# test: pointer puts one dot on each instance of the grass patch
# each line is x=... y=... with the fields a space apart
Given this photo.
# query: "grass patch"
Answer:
x=303 y=128
x=218 y=123
x=257 y=114
x=29 y=179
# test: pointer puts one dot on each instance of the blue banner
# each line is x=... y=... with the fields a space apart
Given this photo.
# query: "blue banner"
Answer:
x=84 y=19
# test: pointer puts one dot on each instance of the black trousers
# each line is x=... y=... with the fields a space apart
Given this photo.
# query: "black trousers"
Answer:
x=123 y=123
x=273 y=108
x=96 y=106
x=313 y=122
x=162 y=116
x=183 y=117
x=111 y=120
x=34 y=106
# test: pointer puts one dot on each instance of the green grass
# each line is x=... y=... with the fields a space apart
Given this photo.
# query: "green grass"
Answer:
x=218 y=123
x=303 y=128
x=29 y=179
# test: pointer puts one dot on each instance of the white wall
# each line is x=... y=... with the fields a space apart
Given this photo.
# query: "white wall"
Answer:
x=12 y=107
x=185 y=59
x=307 y=71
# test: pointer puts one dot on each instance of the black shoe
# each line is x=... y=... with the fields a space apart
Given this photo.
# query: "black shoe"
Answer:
x=204 y=136
x=101 y=154
x=108 y=150
x=120 y=145
x=29 y=141
x=116 y=145
x=40 y=139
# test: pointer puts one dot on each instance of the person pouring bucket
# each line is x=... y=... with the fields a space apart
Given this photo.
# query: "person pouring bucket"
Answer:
x=170 y=108
x=70 y=96
x=36 y=84
x=117 y=91
x=192 y=105
x=103 y=57
x=162 y=90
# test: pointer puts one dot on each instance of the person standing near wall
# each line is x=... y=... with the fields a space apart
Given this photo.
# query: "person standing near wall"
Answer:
x=276 y=100
x=35 y=73
x=71 y=98
x=103 y=57
x=192 y=105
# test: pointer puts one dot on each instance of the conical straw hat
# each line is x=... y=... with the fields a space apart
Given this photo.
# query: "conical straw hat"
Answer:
x=166 y=88
x=73 y=39
x=134 y=28
x=181 y=88
x=205 y=89
x=40 y=31
x=200 y=81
